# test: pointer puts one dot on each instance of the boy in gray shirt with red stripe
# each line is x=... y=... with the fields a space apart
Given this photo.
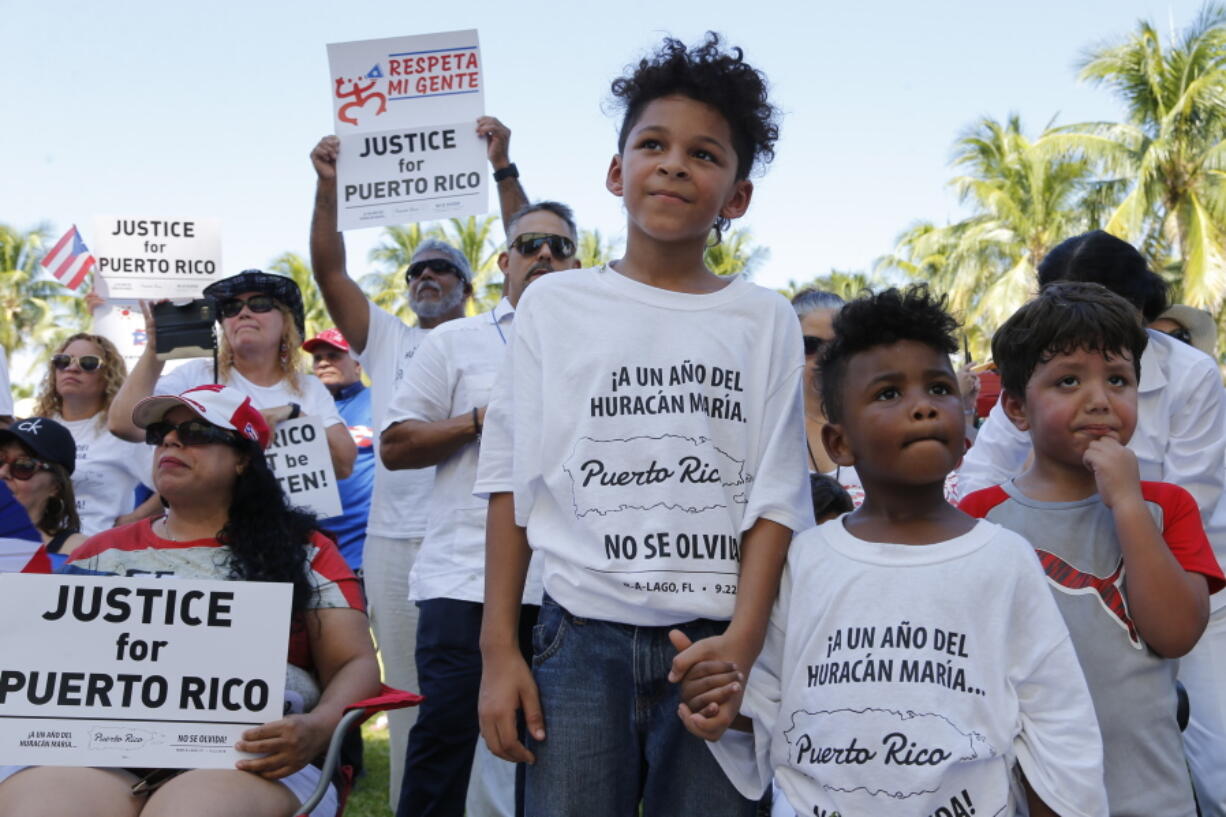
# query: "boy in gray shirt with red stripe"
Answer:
x=1127 y=561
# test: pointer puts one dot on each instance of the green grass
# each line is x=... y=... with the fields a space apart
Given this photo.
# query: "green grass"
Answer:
x=369 y=796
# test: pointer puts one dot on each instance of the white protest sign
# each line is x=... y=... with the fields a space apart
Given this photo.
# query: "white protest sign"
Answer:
x=137 y=671
x=157 y=258
x=405 y=109
x=122 y=323
x=300 y=458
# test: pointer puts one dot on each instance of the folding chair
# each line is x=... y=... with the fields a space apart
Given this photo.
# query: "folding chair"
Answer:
x=387 y=700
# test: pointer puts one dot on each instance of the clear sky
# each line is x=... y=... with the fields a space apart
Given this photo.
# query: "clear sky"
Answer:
x=156 y=108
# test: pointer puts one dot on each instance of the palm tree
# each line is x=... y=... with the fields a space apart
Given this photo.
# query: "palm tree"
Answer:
x=1173 y=145
x=595 y=250
x=847 y=285
x=1026 y=197
x=735 y=254
x=293 y=265
x=31 y=302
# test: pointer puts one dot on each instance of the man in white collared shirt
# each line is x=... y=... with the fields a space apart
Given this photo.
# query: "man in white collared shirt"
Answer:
x=438 y=283
x=435 y=419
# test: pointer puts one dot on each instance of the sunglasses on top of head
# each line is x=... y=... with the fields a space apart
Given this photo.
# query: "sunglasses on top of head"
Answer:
x=813 y=344
x=87 y=362
x=191 y=432
x=24 y=467
x=438 y=265
x=230 y=307
x=530 y=244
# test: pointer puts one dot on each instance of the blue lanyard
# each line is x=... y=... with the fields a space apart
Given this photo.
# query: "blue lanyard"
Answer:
x=494 y=320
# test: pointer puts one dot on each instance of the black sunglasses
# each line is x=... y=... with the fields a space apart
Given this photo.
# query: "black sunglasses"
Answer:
x=1178 y=334
x=438 y=265
x=87 y=362
x=192 y=432
x=230 y=307
x=813 y=344
x=23 y=467
x=530 y=244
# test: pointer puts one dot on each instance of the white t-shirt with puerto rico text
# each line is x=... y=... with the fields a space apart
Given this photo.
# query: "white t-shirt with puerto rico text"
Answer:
x=643 y=431
x=903 y=680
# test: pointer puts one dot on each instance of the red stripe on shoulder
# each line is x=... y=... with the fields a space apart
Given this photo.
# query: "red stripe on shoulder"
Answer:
x=1166 y=494
x=329 y=563
x=1184 y=532
x=981 y=502
x=134 y=536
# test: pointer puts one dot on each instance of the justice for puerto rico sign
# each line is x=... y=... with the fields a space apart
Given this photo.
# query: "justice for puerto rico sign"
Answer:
x=157 y=257
x=137 y=671
x=405 y=110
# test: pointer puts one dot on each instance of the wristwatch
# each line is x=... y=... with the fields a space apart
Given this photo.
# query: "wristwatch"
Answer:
x=508 y=172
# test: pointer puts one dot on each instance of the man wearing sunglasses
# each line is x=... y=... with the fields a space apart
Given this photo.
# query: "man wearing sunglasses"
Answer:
x=438 y=281
x=435 y=419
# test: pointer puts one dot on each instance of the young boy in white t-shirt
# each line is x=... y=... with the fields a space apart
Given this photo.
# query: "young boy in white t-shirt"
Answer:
x=650 y=432
x=915 y=664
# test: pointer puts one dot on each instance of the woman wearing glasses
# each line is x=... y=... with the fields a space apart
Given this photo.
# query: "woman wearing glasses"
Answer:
x=262 y=325
x=82 y=379
x=37 y=459
x=226 y=518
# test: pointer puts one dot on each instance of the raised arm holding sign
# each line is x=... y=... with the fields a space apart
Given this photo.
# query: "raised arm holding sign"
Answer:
x=400 y=106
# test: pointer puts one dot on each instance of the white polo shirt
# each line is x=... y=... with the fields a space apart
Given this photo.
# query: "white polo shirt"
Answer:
x=400 y=500
x=1180 y=436
x=453 y=372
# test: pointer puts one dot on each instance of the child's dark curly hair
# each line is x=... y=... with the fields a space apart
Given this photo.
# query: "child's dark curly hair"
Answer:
x=880 y=320
x=708 y=74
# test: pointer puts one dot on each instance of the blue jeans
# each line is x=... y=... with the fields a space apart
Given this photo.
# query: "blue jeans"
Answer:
x=613 y=738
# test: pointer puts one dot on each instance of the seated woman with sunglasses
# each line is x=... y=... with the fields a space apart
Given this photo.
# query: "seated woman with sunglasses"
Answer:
x=262 y=323
x=82 y=379
x=37 y=458
x=226 y=518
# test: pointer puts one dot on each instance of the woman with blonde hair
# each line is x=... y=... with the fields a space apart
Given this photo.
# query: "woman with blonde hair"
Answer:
x=262 y=324
x=82 y=379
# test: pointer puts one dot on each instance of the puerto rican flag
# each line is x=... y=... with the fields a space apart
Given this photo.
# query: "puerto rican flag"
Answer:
x=69 y=260
x=21 y=548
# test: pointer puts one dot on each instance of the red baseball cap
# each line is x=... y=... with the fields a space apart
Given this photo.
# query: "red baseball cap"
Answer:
x=332 y=337
x=222 y=406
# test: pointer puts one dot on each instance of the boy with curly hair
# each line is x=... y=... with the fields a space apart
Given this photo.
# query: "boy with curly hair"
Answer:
x=646 y=442
x=915 y=663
